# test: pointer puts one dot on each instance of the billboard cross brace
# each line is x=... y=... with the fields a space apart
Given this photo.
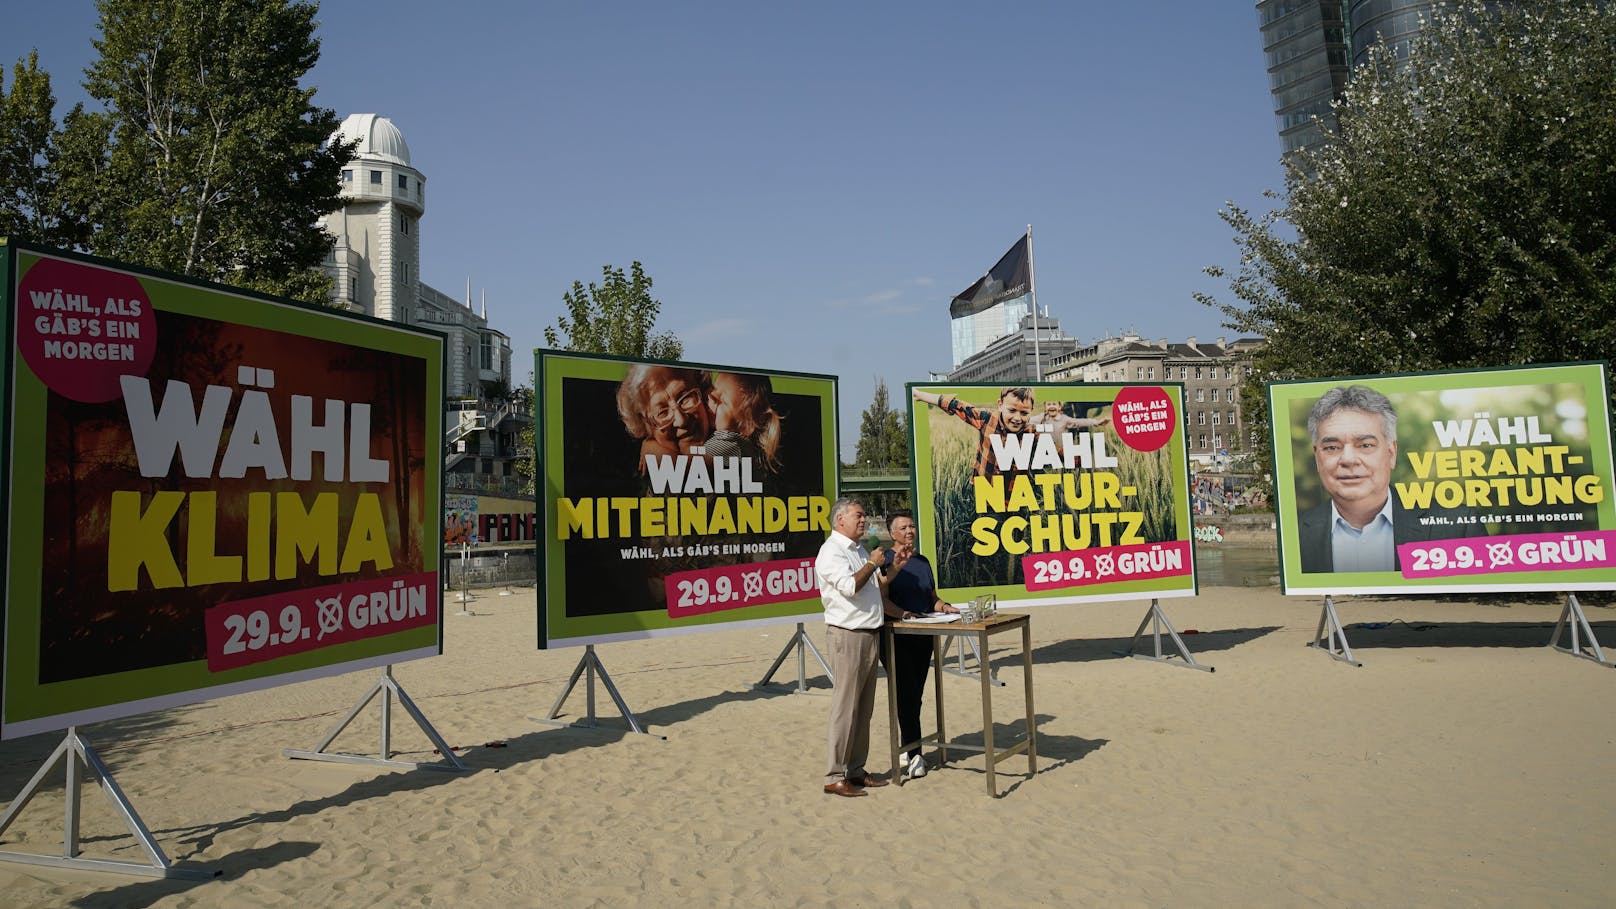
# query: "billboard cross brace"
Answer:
x=1574 y=618
x=73 y=750
x=588 y=666
x=1158 y=620
x=802 y=643
x=387 y=687
x=1335 y=644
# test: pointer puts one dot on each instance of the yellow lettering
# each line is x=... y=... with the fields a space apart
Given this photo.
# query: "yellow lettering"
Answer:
x=203 y=564
x=258 y=539
x=651 y=517
x=367 y=536
x=303 y=533
x=987 y=542
x=574 y=517
x=989 y=493
x=136 y=538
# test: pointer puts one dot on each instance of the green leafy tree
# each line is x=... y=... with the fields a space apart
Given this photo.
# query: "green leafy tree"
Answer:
x=617 y=316
x=1463 y=213
x=209 y=158
x=883 y=443
x=30 y=199
x=883 y=439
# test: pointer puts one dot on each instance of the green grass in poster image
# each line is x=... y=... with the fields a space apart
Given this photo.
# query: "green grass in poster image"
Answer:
x=953 y=458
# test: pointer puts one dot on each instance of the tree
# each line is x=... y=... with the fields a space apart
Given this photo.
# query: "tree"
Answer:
x=616 y=316
x=209 y=158
x=883 y=440
x=30 y=201
x=883 y=443
x=1463 y=213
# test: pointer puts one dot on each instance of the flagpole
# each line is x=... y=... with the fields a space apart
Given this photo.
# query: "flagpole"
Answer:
x=1032 y=291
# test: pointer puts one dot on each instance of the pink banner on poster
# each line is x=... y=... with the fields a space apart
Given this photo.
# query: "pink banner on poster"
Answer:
x=251 y=631
x=734 y=586
x=1514 y=552
x=1080 y=568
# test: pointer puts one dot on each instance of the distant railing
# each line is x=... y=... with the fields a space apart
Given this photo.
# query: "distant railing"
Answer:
x=483 y=484
x=875 y=479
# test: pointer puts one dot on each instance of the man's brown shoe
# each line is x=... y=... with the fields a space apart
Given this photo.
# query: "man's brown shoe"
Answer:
x=844 y=788
x=867 y=782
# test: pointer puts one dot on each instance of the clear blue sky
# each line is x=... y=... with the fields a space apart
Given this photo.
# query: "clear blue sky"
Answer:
x=807 y=184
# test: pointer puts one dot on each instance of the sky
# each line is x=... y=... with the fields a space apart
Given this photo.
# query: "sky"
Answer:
x=808 y=185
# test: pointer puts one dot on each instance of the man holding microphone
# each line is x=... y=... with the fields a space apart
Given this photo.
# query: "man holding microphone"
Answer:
x=851 y=593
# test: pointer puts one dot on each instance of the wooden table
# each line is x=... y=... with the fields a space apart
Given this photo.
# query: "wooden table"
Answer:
x=981 y=631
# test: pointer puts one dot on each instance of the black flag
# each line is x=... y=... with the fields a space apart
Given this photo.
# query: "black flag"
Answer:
x=1009 y=279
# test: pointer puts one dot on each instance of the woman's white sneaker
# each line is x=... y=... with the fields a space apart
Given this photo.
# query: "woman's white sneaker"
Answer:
x=917 y=767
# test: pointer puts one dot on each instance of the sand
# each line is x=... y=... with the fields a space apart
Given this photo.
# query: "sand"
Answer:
x=1465 y=764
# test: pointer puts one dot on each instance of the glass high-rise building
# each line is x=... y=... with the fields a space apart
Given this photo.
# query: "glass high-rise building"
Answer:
x=1305 y=43
x=1311 y=47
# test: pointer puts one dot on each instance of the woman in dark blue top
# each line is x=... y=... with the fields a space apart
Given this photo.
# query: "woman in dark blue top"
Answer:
x=909 y=583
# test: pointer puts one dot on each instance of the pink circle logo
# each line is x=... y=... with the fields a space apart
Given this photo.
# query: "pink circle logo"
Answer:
x=1144 y=417
x=80 y=328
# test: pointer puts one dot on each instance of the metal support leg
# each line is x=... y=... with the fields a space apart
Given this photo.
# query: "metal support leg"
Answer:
x=74 y=749
x=1572 y=617
x=1158 y=619
x=387 y=687
x=588 y=665
x=1335 y=641
x=803 y=644
x=987 y=719
x=1032 y=717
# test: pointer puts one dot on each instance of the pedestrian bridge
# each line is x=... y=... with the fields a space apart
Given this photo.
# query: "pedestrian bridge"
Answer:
x=875 y=479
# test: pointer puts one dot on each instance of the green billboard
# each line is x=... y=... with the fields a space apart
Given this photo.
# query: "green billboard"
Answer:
x=678 y=497
x=206 y=491
x=1050 y=493
x=1445 y=482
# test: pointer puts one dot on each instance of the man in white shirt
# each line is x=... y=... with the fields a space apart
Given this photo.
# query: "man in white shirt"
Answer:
x=853 y=614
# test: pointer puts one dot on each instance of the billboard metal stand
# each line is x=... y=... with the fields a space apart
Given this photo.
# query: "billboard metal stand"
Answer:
x=1335 y=642
x=465 y=580
x=590 y=664
x=387 y=687
x=1157 y=619
x=74 y=749
x=1573 y=617
x=802 y=643
x=960 y=643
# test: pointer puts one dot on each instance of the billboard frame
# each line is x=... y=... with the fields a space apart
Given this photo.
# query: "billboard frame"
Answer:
x=170 y=683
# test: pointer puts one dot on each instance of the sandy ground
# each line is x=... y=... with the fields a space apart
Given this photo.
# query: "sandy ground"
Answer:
x=1465 y=764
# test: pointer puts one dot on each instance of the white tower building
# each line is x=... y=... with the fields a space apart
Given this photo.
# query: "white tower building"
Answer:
x=375 y=264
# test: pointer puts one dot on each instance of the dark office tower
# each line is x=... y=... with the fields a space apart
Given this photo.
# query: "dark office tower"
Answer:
x=1395 y=21
x=1312 y=47
x=1305 y=42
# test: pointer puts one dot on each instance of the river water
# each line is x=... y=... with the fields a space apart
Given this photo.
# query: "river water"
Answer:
x=1237 y=564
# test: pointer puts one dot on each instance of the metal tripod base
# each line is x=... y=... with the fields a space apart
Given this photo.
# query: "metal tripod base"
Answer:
x=73 y=750
x=1330 y=637
x=958 y=668
x=803 y=645
x=388 y=688
x=1572 y=617
x=589 y=665
x=1158 y=620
